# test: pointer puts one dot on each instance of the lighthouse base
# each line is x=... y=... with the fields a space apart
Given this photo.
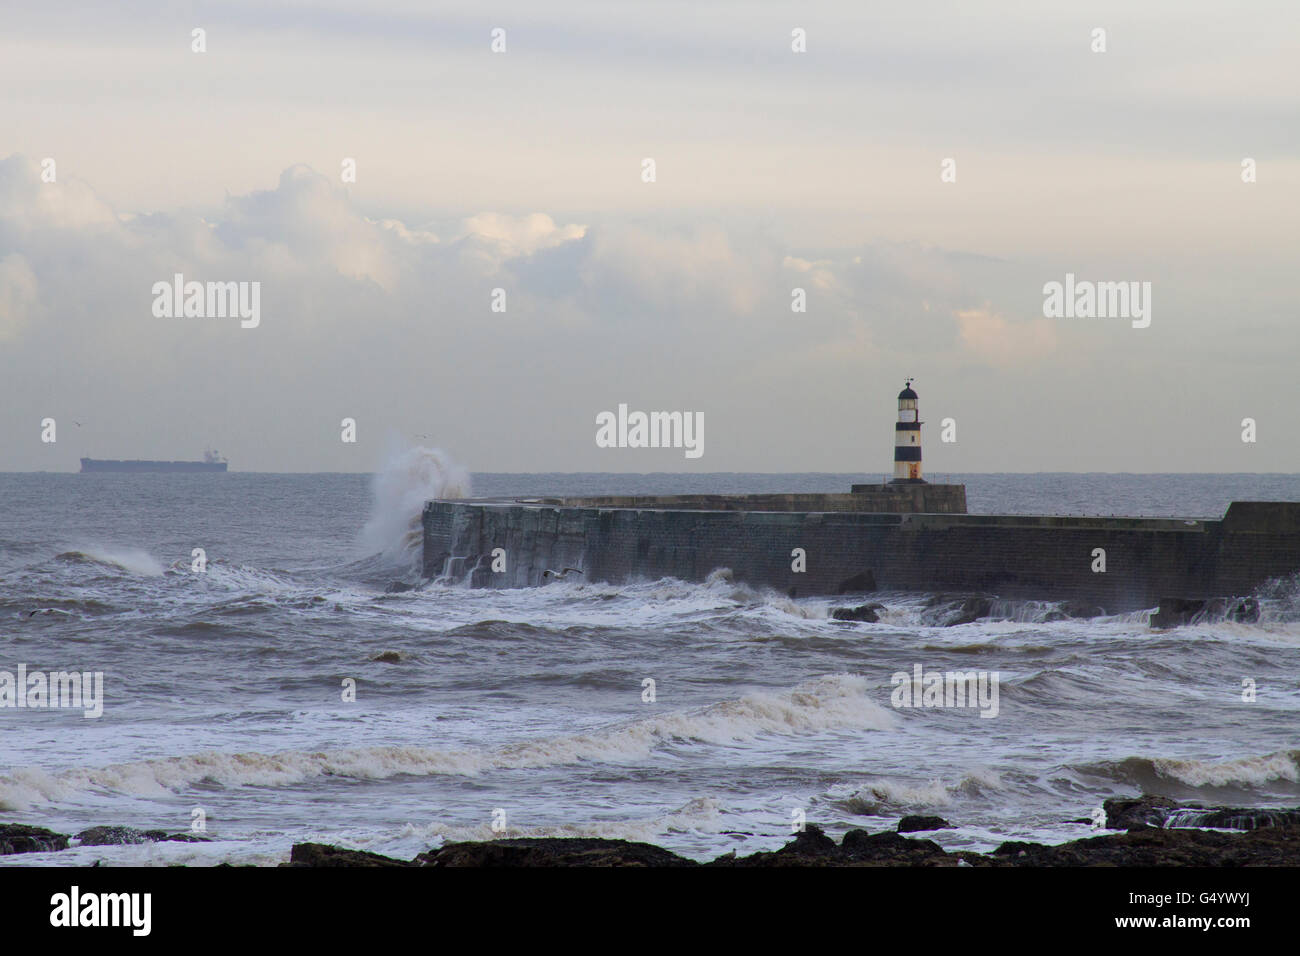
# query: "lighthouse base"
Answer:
x=905 y=495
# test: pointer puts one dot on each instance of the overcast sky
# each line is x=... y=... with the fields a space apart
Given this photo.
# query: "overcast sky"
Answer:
x=522 y=170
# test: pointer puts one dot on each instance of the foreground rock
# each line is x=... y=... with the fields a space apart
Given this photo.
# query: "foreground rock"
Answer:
x=322 y=854
x=947 y=610
x=858 y=848
x=552 y=852
x=121 y=836
x=1125 y=814
x=1150 y=846
x=16 y=838
x=863 y=612
x=1176 y=612
x=911 y=824
x=1146 y=846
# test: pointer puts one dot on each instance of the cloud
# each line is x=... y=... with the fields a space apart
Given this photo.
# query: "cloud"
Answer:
x=388 y=319
x=994 y=340
x=18 y=294
x=519 y=235
x=64 y=204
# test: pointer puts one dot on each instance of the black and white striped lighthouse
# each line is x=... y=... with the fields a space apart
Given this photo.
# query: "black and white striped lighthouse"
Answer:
x=907 y=440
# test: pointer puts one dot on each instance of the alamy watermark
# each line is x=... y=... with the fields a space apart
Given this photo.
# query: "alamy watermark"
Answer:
x=933 y=688
x=1085 y=299
x=651 y=430
x=133 y=911
x=61 y=690
x=208 y=300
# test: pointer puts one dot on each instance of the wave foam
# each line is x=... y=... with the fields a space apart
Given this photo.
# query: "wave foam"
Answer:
x=882 y=797
x=133 y=560
x=400 y=489
x=836 y=702
x=1244 y=772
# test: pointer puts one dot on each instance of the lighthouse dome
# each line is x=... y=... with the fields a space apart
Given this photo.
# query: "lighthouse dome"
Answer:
x=907 y=393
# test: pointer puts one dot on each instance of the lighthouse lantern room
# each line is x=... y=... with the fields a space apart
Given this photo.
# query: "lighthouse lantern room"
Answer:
x=907 y=439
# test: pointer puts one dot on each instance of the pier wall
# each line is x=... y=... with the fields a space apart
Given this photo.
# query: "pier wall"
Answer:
x=1046 y=557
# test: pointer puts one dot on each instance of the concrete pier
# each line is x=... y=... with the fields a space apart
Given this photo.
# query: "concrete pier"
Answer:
x=851 y=549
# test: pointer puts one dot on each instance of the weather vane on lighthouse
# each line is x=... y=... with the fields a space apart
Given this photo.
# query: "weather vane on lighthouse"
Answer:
x=907 y=439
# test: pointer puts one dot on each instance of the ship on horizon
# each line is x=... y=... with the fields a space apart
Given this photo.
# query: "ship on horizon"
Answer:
x=212 y=462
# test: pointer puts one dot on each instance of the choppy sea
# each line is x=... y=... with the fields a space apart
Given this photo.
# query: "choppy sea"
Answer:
x=527 y=710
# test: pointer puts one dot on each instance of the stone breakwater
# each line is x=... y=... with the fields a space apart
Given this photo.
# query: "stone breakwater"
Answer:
x=1120 y=564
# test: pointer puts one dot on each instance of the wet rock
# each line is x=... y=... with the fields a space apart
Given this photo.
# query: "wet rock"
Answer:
x=1142 y=846
x=813 y=847
x=398 y=587
x=915 y=822
x=322 y=854
x=17 y=838
x=1151 y=846
x=123 y=836
x=1231 y=818
x=118 y=836
x=863 y=612
x=1125 y=813
x=1243 y=610
x=945 y=610
x=388 y=657
x=552 y=852
x=892 y=849
x=1175 y=612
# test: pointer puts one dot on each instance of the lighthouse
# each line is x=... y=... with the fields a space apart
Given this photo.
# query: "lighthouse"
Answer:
x=907 y=440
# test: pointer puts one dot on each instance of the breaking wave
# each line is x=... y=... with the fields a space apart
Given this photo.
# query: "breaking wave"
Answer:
x=127 y=559
x=829 y=703
x=883 y=797
x=409 y=479
x=1282 y=766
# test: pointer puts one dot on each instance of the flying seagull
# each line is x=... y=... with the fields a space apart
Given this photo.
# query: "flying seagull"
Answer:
x=549 y=573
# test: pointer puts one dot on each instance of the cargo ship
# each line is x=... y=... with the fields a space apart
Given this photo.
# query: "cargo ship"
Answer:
x=212 y=462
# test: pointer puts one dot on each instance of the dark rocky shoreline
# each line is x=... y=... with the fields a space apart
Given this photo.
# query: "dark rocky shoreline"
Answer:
x=1144 y=846
x=1145 y=831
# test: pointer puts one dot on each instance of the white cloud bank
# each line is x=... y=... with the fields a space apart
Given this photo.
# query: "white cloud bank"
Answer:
x=390 y=322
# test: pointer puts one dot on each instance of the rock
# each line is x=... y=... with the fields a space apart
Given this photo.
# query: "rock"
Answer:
x=1149 y=811
x=863 y=612
x=552 y=852
x=1143 y=846
x=117 y=836
x=810 y=847
x=1243 y=610
x=122 y=836
x=1175 y=612
x=813 y=847
x=1124 y=813
x=322 y=854
x=892 y=849
x=1231 y=818
x=388 y=657
x=398 y=587
x=946 y=610
x=1151 y=846
x=915 y=822
x=17 y=838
